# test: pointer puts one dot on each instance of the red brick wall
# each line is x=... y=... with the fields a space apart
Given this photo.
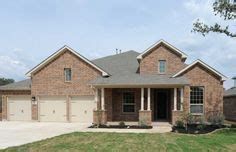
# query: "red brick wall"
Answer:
x=230 y=108
x=149 y=63
x=198 y=76
x=50 y=80
x=117 y=114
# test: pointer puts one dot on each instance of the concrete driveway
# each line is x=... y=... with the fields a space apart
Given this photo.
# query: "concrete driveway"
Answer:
x=18 y=133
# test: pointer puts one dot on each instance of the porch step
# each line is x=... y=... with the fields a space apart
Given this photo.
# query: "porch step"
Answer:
x=161 y=124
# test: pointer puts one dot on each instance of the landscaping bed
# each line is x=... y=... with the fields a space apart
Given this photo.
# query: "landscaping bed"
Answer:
x=121 y=126
x=196 y=129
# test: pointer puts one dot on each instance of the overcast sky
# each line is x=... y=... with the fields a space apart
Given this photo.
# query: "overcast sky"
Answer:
x=31 y=30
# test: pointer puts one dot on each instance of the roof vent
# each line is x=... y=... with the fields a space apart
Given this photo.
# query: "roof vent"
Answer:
x=118 y=51
x=234 y=78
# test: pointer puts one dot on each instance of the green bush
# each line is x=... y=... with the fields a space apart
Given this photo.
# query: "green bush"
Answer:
x=233 y=126
x=201 y=126
x=188 y=118
x=143 y=123
x=179 y=124
x=122 y=123
x=216 y=119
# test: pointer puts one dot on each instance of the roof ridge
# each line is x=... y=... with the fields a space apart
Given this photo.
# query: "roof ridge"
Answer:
x=115 y=55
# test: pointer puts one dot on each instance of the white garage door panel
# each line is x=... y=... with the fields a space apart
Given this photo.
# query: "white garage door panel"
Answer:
x=82 y=109
x=19 y=108
x=53 y=109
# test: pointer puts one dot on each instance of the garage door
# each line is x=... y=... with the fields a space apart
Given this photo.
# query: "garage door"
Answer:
x=82 y=109
x=19 y=108
x=52 y=109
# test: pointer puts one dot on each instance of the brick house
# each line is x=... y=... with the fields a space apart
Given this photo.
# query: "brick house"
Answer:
x=150 y=86
x=230 y=102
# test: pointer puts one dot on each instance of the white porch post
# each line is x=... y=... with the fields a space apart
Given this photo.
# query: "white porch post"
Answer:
x=175 y=99
x=182 y=98
x=96 y=98
x=102 y=99
x=149 y=99
x=142 y=99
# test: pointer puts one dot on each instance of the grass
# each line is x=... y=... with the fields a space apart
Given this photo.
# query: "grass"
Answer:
x=224 y=140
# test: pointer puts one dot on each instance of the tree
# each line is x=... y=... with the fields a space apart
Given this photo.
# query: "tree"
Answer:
x=225 y=10
x=4 y=81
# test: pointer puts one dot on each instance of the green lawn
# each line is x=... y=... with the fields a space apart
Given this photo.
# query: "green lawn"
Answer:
x=224 y=140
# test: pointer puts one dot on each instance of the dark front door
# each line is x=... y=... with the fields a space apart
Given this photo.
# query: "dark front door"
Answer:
x=160 y=104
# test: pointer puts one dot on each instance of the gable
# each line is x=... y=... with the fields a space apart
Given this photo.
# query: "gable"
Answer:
x=149 y=64
x=167 y=45
x=57 y=54
x=50 y=79
x=204 y=66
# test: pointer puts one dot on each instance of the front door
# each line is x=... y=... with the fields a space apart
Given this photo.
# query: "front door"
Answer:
x=160 y=104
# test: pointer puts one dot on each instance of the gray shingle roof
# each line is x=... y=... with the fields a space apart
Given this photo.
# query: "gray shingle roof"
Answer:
x=137 y=79
x=119 y=64
x=230 y=92
x=21 y=85
x=123 y=69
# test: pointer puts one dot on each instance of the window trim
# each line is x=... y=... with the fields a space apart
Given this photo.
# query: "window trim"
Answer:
x=134 y=104
x=203 y=104
x=159 y=64
x=65 y=74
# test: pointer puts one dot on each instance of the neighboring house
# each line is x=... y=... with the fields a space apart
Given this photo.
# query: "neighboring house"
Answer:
x=230 y=103
x=154 y=85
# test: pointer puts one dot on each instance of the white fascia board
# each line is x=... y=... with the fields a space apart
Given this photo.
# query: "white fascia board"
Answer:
x=203 y=64
x=183 y=55
x=47 y=60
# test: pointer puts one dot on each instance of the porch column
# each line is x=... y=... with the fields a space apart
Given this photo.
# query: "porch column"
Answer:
x=182 y=98
x=175 y=99
x=102 y=99
x=142 y=99
x=149 y=99
x=96 y=98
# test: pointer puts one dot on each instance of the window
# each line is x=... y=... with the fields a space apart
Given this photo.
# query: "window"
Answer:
x=67 y=74
x=178 y=99
x=128 y=102
x=162 y=66
x=196 y=100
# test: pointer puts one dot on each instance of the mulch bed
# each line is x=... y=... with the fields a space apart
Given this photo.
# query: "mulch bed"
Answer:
x=121 y=127
x=192 y=129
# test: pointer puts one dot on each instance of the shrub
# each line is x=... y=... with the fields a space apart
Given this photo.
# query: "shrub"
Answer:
x=216 y=119
x=122 y=123
x=188 y=118
x=201 y=126
x=233 y=126
x=143 y=122
x=179 y=124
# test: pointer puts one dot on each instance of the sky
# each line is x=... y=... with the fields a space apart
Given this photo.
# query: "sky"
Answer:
x=31 y=30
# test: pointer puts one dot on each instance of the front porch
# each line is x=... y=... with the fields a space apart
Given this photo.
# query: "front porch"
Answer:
x=143 y=106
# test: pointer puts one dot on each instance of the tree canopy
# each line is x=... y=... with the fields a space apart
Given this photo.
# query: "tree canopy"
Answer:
x=225 y=10
x=4 y=81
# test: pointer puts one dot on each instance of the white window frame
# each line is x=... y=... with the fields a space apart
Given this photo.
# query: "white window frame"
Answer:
x=159 y=66
x=202 y=104
x=66 y=76
x=128 y=104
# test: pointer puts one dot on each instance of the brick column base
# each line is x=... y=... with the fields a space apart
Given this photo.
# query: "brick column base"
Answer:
x=100 y=117
x=145 y=117
x=176 y=115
